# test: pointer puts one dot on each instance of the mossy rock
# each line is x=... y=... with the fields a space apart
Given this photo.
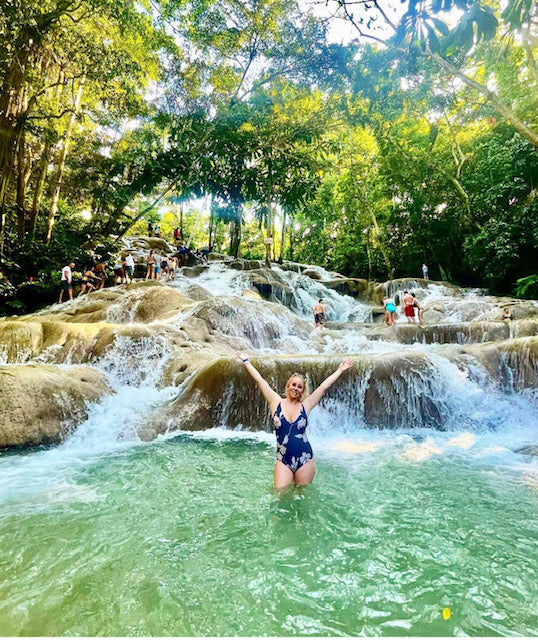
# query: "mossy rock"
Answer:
x=41 y=404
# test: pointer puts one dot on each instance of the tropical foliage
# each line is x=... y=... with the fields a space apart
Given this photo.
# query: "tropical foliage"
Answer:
x=415 y=141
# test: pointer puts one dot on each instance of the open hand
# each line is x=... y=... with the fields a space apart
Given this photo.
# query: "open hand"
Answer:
x=346 y=364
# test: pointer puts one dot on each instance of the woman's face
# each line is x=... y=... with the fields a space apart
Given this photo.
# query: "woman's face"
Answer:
x=295 y=388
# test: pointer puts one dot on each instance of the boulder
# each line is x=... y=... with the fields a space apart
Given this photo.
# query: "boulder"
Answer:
x=354 y=287
x=41 y=404
x=312 y=273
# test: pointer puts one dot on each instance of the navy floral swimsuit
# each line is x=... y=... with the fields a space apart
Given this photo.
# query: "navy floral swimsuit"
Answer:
x=292 y=446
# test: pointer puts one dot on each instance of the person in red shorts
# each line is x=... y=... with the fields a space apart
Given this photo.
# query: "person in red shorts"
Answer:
x=408 y=306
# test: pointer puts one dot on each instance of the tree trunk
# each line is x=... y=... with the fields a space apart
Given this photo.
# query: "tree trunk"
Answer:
x=282 y=237
x=290 y=231
x=38 y=192
x=269 y=223
x=23 y=173
x=61 y=164
x=235 y=231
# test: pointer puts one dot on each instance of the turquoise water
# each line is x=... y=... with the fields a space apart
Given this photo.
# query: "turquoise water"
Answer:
x=186 y=536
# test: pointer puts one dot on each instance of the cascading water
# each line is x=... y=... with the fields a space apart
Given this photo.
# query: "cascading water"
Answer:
x=429 y=510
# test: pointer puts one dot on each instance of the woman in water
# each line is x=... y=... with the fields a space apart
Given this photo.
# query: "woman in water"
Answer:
x=294 y=457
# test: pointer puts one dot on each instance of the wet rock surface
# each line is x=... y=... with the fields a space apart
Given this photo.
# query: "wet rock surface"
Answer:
x=42 y=404
x=188 y=332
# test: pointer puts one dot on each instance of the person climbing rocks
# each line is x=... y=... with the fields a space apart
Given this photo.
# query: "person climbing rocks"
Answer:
x=88 y=282
x=99 y=273
x=66 y=282
x=408 y=306
x=294 y=456
x=390 y=311
x=119 y=272
x=320 y=313
x=418 y=307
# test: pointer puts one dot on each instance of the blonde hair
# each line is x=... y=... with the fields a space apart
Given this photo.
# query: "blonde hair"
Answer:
x=297 y=375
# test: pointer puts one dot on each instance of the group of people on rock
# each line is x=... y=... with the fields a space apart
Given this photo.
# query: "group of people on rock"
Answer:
x=410 y=308
x=94 y=277
x=160 y=267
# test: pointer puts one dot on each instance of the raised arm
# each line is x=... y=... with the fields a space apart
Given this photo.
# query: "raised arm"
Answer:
x=270 y=396
x=313 y=399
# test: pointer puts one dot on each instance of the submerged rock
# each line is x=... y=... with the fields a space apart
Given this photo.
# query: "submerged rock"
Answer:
x=41 y=404
x=531 y=450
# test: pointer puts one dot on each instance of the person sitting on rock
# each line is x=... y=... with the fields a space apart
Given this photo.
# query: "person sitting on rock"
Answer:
x=507 y=314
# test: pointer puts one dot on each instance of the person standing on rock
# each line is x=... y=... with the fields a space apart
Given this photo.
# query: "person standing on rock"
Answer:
x=294 y=457
x=129 y=267
x=390 y=311
x=320 y=313
x=408 y=306
x=150 y=264
x=100 y=275
x=425 y=272
x=419 y=308
x=66 y=281
x=157 y=270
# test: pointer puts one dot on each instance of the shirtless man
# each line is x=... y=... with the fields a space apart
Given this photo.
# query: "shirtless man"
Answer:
x=408 y=306
x=320 y=314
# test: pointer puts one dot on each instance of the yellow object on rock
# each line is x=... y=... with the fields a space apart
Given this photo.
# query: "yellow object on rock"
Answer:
x=446 y=613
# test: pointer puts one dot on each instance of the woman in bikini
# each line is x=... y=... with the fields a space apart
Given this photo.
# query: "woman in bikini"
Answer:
x=294 y=457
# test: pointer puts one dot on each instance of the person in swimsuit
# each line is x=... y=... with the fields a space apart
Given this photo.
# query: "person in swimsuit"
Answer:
x=150 y=264
x=419 y=308
x=320 y=313
x=408 y=307
x=100 y=275
x=294 y=457
x=390 y=311
x=87 y=284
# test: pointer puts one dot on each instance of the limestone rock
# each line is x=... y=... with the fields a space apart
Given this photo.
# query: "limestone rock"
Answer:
x=40 y=404
x=312 y=273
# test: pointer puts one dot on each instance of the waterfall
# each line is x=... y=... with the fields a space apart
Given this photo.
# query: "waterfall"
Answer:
x=178 y=371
